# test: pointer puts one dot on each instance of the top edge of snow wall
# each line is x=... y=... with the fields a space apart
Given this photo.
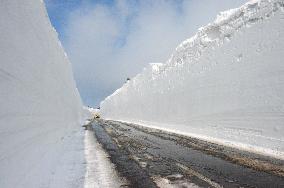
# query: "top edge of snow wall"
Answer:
x=224 y=84
x=41 y=110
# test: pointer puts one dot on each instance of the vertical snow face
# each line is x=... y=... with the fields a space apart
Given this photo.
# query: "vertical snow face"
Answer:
x=40 y=142
x=225 y=84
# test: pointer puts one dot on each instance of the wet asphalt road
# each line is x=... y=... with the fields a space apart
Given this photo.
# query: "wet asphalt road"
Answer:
x=152 y=158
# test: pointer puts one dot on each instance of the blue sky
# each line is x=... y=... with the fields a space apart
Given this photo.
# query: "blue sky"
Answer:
x=110 y=40
x=59 y=10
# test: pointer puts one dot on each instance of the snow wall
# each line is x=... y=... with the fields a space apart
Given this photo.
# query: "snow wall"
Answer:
x=40 y=112
x=225 y=84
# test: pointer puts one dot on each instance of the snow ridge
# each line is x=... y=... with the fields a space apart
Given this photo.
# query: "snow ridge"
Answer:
x=224 y=84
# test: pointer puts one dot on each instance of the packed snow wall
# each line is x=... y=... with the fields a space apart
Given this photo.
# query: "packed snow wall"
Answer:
x=40 y=106
x=225 y=84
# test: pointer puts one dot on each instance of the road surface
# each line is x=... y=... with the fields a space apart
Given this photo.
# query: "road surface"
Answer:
x=153 y=158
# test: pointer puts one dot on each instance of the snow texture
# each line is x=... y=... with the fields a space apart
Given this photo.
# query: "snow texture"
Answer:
x=225 y=84
x=41 y=141
x=100 y=171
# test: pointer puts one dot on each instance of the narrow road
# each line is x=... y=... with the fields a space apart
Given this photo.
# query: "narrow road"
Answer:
x=154 y=158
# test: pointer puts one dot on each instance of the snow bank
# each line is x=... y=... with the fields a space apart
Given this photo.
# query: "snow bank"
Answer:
x=94 y=111
x=100 y=171
x=224 y=84
x=41 y=144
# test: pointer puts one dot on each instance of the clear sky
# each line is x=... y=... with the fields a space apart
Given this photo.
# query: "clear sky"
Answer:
x=110 y=40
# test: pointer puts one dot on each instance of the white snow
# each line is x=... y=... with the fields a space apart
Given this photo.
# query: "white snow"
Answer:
x=100 y=171
x=225 y=84
x=165 y=183
x=93 y=111
x=41 y=139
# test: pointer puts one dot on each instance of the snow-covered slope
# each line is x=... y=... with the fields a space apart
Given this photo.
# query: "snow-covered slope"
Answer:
x=225 y=84
x=40 y=142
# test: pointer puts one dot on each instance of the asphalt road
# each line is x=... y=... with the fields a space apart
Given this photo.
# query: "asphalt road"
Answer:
x=152 y=158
